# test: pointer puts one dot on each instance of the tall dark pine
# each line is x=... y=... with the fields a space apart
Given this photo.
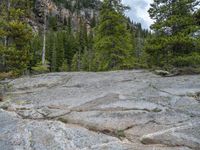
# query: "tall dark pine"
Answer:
x=15 y=35
x=174 y=24
x=112 y=42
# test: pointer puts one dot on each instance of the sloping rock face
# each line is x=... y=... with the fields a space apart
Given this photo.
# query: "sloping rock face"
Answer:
x=76 y=14
x=121 y=110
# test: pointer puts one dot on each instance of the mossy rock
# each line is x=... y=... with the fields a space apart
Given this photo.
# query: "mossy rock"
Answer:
x=119 y=133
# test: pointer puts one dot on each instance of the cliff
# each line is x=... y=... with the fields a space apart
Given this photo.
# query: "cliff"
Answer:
x=75 y=10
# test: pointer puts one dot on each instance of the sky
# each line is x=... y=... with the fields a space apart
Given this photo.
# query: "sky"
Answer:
x=138 y=12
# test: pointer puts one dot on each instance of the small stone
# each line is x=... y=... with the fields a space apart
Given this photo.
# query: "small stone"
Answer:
x=162 y=72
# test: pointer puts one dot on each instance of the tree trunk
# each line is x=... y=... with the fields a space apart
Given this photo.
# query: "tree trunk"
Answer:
x=44 y=39
x=79 y=60
x=6 y=37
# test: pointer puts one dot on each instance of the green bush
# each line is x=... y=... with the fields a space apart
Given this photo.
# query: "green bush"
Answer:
x=39 y=68
x=192 y=60
x=64 y=67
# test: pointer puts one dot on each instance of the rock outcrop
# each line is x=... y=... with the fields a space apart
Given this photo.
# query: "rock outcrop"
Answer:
x=83 y=13
x=121 y=110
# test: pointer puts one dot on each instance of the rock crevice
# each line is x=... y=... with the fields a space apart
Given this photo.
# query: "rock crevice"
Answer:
x=119 y=110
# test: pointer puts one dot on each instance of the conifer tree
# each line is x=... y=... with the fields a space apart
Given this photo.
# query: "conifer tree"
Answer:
x=82 y=42
x=59 y=49
x=112 y=40
x=75 y=63
x=15 y=35
x=35 y=50
x=70 y=47
x=174 y=24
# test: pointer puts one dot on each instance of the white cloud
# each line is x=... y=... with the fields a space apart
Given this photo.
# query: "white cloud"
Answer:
x=139 y=11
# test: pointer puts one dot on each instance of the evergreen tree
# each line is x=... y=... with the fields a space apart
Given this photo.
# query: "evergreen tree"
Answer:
x=82 y=42
x=64 y=66
x=59 y=49
x=51 y=50
x=174 y=24
x=35 y=50
x=197 y=17
x=15 y=35
x=112 y=40
x=70 y=47
x=75 y=63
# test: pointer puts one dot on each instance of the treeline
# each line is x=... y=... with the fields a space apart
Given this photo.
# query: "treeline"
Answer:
x=77 y=50
x=110 y=42
x=65 y=48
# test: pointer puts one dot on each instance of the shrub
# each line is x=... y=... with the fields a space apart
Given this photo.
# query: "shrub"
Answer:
x=192 y=60
x=39 y=68
x=64 y=67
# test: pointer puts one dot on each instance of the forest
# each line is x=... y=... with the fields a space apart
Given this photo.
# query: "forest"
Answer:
x=110 y=42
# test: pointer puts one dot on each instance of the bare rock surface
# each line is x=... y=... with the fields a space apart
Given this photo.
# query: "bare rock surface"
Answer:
x=120 y=110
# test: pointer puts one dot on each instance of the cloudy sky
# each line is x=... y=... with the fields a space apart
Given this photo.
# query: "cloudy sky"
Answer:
x=138 y=12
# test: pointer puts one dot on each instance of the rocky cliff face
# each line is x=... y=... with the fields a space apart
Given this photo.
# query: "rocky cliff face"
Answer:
x=72 y=9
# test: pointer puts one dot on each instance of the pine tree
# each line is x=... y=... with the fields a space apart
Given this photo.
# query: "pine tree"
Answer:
x=59 y=49
x=82 y=42
x=70 y=47
x=197 y=17
x=112 y=40
x=75 y=65
x=15 y=35
x=174 y=24
x=35 y=50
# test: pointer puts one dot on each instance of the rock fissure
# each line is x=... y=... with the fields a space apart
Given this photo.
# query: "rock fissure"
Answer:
x=111 y=111
x=117 y=109
x=153 y=86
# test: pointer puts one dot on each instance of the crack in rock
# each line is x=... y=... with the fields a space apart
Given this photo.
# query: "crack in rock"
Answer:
x=119 y=110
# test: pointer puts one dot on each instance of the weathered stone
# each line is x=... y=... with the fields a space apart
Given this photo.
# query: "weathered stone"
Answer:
x=108 y=121
x=49 y=7
x=161 y=72
x=96 y=111
x=136 y=132
x=50 y=135
x=186 y=135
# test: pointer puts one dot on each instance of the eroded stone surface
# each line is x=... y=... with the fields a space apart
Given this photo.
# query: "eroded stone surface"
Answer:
x=46 y=135
x=121 y=110
x=183 y=135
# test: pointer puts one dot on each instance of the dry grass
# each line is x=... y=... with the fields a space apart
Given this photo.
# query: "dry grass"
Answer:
x=4 y=75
